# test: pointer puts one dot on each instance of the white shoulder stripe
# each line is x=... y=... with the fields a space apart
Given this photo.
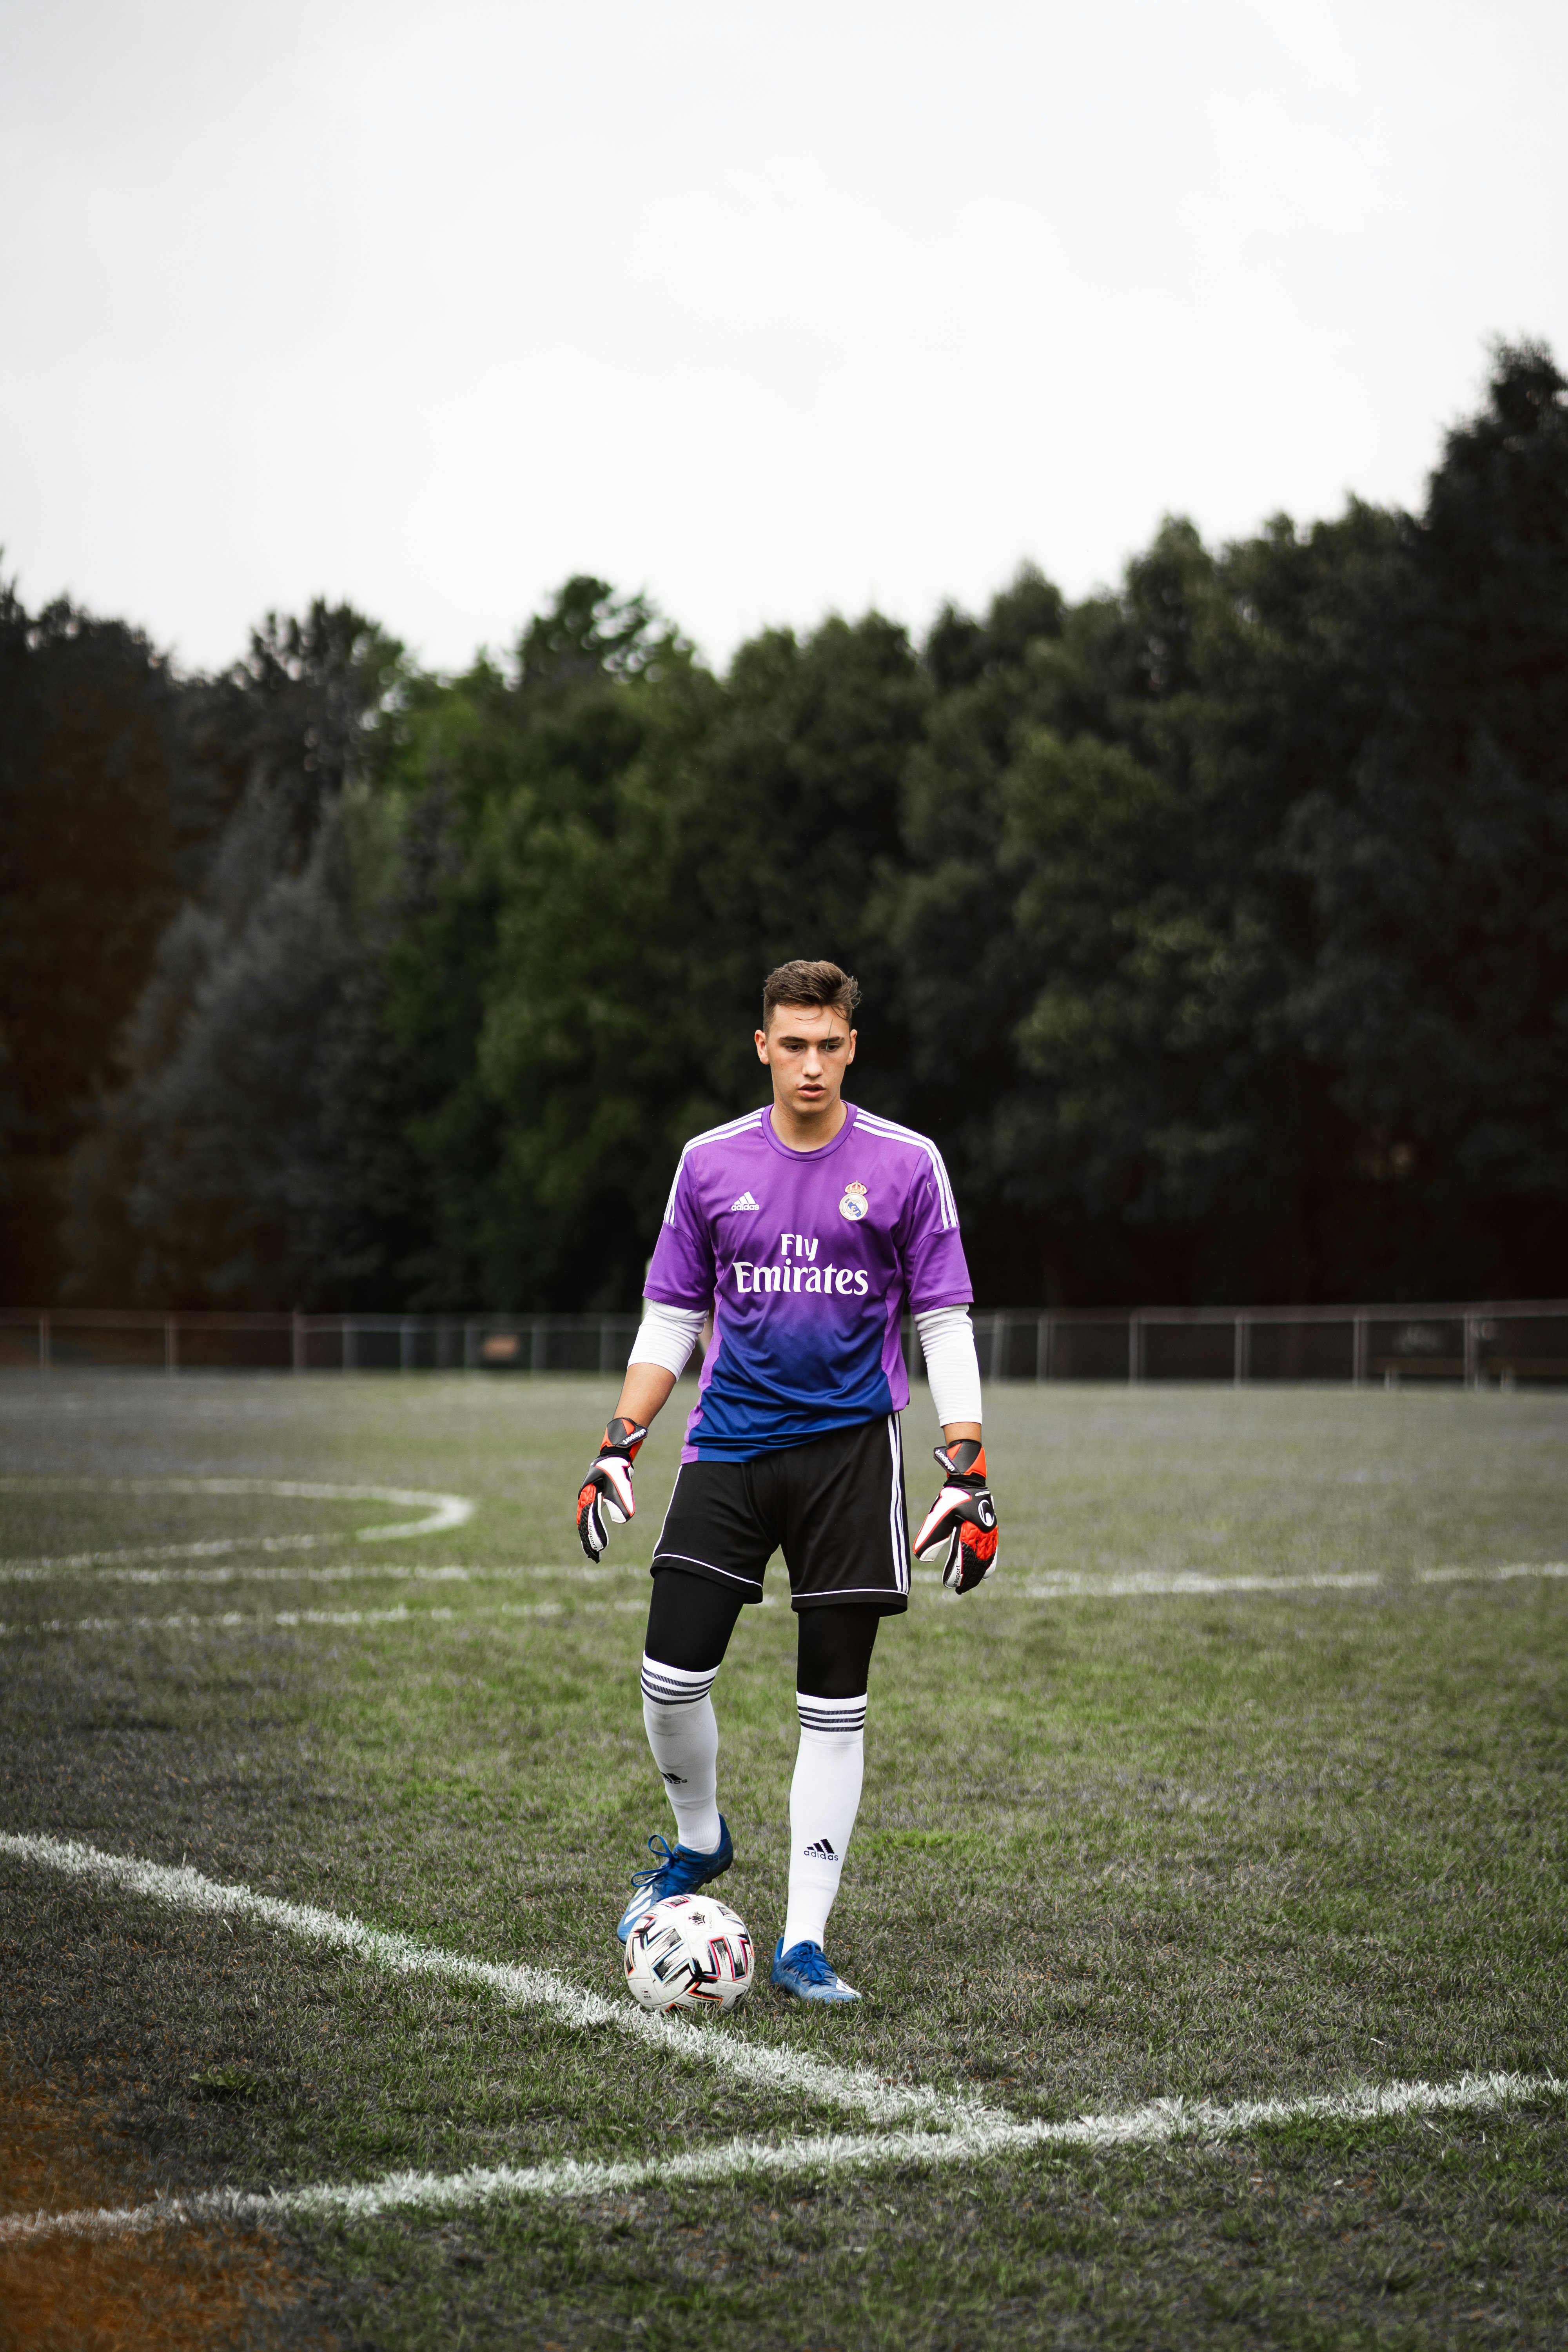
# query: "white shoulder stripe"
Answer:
x=709 y=1135
x=890 y=1127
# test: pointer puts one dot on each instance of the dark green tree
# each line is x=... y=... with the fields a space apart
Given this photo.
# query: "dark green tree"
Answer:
x=1215 y=927
x=184 y=1189
x=1129 y=1112
x=1439 y=863
x=604 y=851
x=101 y=827
x=491 y=1111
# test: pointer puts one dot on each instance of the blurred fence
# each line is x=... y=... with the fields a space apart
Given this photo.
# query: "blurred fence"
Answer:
x=1471 y=1345
x=1499 y=1342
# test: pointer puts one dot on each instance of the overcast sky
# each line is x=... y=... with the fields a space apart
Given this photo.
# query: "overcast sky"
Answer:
x=766 y=310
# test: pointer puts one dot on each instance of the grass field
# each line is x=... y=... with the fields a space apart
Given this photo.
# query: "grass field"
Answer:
x=1243 y=1782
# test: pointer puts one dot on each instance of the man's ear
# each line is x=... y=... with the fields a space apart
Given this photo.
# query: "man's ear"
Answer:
x=762 y=1039
x=849 y=1056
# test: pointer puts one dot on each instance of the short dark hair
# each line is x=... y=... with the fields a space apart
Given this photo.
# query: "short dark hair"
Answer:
x=803 y=982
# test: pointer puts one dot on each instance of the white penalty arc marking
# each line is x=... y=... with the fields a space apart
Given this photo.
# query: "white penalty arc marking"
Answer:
x=1156 y=2126
x=440 y=1513
x=764 y=2066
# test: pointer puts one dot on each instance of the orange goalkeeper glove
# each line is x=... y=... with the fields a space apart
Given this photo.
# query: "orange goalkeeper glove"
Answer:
x=961 y=1522
x=605 y=1494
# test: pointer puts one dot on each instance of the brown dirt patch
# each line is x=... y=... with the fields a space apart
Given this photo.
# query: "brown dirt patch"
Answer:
x=177 y=2290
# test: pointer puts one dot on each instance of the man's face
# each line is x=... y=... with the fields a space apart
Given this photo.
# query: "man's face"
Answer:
x=807 y=1048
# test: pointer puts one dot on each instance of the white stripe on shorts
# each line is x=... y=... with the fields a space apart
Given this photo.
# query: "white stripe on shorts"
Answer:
x=899 y=1531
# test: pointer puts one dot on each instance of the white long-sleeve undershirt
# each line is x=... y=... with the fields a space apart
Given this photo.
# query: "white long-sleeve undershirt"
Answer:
x=953 y=1368
x=668 y=1335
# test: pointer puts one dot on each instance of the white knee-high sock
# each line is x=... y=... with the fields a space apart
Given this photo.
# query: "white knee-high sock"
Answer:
x=823 y=1800
x=683 y=1732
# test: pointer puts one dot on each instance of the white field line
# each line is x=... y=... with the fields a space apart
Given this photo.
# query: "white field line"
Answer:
x=66 y=1562
x=1494 y=1575
x=1176 y=1586
x=186 y=1621
x=224 y=1621
x=1180 y=1581
x=554 y=1609
x=970 y=2143
x=441 y=1511
x=111 y=1569
x=39 y=1571
x=219 y=1621
x=521 y=1986
x=1066 y=1584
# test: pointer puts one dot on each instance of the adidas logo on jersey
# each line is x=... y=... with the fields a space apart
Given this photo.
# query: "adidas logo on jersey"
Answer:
x=821 y=1852
x=745 y=1201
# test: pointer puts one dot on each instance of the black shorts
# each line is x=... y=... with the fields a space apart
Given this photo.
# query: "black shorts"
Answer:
x=835 y=1508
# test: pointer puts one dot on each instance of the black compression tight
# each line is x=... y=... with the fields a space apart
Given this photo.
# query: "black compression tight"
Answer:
x=692 y=1618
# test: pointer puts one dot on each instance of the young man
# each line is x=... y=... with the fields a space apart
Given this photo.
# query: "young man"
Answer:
x=803 y=1229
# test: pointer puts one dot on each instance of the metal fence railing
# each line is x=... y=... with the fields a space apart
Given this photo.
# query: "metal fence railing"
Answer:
x=1471 y=1344
x=81 y=1338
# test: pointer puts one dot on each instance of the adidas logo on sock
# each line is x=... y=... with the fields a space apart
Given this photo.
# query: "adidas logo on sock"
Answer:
x=821 y=1852
x=676 y=1780
x=745 y=1201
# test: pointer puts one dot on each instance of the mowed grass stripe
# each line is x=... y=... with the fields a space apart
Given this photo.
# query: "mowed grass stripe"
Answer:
x=974 y=2142
x=519 y=1985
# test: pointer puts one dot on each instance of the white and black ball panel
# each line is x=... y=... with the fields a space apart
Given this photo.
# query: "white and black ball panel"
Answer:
x=690 y=1951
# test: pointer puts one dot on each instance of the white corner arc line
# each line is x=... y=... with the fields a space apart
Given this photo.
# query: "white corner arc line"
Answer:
x=764 y=2065
x=441 y=1513
x=1155 y=2125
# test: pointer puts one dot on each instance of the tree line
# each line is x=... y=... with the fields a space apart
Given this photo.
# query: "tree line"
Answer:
x=1217 y=926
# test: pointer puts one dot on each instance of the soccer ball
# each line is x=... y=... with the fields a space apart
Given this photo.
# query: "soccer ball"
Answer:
x=689 y=1952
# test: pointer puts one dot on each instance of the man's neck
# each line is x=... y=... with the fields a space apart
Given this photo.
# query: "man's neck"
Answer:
x=797 y=1134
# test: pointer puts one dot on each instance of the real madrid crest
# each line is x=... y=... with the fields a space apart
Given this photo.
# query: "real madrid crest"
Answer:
x=854 y=1203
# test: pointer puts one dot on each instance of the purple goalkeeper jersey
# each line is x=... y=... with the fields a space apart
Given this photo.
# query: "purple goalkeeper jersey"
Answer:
x=808 y=1260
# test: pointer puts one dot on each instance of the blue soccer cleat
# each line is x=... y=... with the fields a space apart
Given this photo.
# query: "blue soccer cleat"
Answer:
x=678 y=1871
x=807 y=1972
